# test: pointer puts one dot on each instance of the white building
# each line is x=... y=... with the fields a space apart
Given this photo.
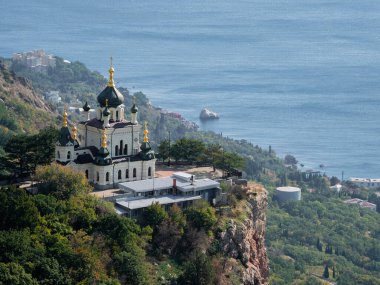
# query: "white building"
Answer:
x=181 y=189
x=366 y=182
x=107 y=148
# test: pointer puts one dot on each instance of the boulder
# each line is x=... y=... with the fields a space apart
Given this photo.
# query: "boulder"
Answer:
x=208 y=115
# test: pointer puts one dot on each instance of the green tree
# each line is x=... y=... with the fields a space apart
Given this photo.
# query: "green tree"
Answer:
x=198 y=270
x=211 y=154
x=228 y=161
x=176 y=215
x=19 y=156
x=290 y=159
x=61 y=182
x=14 y=274
x=164 y=150
x=201 y=215
x=326 y=273
x=17 y=209
x=187 y=149
x=131 y=266
x=154 y=215
x=25 y=152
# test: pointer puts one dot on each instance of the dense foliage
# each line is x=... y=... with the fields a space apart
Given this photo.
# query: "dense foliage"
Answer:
x=320 y=232
x=189 y=150
x=76 y=239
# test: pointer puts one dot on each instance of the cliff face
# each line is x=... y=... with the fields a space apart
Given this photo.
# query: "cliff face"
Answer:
x=244 y=243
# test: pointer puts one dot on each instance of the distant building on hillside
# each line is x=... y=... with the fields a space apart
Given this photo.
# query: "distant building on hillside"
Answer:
x=53 y=96
x=36 y=60
x=371 y=183
x=361 y=203
x=337 y=188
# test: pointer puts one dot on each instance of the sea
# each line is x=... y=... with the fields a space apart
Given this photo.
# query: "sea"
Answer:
x=301 y=76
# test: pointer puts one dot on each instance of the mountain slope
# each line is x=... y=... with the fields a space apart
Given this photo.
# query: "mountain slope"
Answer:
x=21 y=109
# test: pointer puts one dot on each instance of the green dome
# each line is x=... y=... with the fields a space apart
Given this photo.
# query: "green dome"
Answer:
x=106 y=112
x=103 y=157
x=86 y=107
x=65 y=138
x=134 y=109
x=146 y=151
x=114 y=97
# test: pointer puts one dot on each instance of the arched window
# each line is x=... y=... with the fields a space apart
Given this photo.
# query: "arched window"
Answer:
x=116 y=150
x=119 y=174
x=149 y=171
x=107 y=176
x=117 y=115
x=127 y=173
x=134 y=172
x=121 y=147
x=69 y=155
x=97 y=176
x=86 y=173
x=126 y=149
x=58 y=154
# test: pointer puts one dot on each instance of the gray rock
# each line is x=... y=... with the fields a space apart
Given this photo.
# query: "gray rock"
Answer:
x=208 y=115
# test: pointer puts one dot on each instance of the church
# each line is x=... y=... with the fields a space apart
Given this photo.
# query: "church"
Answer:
x=107 y=148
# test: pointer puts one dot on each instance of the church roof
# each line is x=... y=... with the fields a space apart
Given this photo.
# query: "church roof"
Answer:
x=99 y=124
x=106 y=112
x=134 y=109
x=110 y=96
x=86 y=107
x=84 y=158
x=94 y=150
x=65 y=137
x=114 y=97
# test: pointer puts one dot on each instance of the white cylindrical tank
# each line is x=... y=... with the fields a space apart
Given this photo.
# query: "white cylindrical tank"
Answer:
x=288 y=193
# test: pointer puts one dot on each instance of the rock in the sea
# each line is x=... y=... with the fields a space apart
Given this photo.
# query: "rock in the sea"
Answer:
x=208 y=115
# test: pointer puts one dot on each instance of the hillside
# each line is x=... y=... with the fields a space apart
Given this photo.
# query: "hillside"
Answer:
x=21 y=109
x=303 y=237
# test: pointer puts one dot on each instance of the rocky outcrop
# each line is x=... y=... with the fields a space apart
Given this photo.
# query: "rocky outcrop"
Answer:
x=208 y=115
x=244 y=242
x=20 y=88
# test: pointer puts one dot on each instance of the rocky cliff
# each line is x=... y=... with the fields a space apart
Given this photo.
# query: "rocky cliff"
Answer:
x=243 y=242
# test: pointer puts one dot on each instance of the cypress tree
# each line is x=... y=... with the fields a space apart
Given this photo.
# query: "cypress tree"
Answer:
x=319 y=244
x=326 y=274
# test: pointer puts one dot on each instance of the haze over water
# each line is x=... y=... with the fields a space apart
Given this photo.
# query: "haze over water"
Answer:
x=302 y=76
